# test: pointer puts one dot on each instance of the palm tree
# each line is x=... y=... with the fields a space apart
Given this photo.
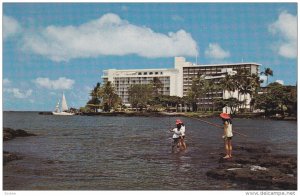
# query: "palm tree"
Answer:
x=228 y=84
x=268 y=72
x=109 y=98
x=94 y=102
x=255 y=83
x=198 y=90
x=231 y=84
x=246 y=89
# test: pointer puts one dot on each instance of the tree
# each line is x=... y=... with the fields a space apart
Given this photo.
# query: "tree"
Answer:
x=231 y=103
x=108 y=96
x=255 y=86
x=242 y=82
x=245 y=84
x=228 y=84
x=157 y=85
x=197 y=91
x=291 y=101
x=140 y=95
x=94 y=102
x=277 y=99
x=213 y=87
x=267 y=72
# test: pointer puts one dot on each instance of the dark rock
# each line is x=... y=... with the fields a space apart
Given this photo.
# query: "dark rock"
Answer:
x=9 y=133
x=257 y=167
x=268 y=178
x=7 y=157
x=45 y=113
x=22 y=133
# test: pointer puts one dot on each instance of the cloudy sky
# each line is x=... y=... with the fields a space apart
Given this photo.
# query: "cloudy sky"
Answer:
x=53 y=48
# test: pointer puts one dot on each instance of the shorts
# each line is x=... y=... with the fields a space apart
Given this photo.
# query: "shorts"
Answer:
x=228 y=138
x=175 y=140
x=182 y=137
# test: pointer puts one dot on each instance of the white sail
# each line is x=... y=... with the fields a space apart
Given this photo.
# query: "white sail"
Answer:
x=64 y=106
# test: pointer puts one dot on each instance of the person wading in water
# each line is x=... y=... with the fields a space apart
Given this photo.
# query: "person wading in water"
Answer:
x=227 y=135
x=178 y=136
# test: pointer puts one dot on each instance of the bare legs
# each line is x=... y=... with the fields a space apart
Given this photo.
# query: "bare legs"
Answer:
x=182 y=143
x=228 y=148
x=179 y=143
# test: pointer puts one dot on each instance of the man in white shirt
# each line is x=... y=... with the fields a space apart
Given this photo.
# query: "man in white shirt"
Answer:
x=178 y=136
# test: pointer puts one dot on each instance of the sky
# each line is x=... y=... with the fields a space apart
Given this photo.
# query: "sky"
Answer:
x=50 y=48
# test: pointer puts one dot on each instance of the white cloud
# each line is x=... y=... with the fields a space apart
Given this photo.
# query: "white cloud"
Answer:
x=6 y=82
x=18 y=93
x=108 y=35
x=61 y=83
x=280 y=82
x=10 y=27
x=214 y=51
x=285 y=28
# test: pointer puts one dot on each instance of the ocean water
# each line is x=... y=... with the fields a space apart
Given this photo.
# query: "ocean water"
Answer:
x=127 y=153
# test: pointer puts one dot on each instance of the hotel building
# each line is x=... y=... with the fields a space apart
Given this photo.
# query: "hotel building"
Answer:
x=176 y=81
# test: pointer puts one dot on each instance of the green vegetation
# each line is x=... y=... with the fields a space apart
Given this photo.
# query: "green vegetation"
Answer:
x=242 y=82
x=103 y=97
x=277 y=99
x=139 y=95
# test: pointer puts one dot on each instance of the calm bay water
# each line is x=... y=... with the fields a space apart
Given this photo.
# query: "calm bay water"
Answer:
x=126 y=153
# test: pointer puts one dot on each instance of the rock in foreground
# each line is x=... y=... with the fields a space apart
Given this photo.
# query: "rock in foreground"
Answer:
x=258 y=168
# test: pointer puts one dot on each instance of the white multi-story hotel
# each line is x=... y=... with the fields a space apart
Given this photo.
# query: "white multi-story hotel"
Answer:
x=176 y=81
x=122 y=79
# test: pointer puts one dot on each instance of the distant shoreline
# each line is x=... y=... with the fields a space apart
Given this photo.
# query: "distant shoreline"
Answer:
x=174 y=114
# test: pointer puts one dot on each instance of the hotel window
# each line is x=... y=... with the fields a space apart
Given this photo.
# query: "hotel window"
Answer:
x=151 y=73
x=156 y=73
x=145 y=73
x=139 y=73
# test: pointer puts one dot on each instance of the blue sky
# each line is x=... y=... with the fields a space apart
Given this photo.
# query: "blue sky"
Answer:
x=63 y=47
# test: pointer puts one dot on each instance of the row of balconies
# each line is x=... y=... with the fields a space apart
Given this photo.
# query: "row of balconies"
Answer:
x=123 y=92
x=126 y=86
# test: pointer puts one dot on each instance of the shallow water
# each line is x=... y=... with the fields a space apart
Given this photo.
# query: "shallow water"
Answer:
x=127 y=153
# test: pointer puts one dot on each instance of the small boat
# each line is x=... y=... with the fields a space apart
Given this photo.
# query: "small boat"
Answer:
x=63 y=111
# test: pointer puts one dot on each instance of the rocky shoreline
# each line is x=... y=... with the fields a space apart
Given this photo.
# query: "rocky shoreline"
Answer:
x=9 y=134
x=258 y=168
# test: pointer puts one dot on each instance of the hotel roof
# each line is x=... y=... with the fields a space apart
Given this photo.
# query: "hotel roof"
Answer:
x=226 y=64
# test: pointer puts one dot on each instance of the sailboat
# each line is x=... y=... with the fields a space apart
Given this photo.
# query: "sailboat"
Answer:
x=63 y=111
